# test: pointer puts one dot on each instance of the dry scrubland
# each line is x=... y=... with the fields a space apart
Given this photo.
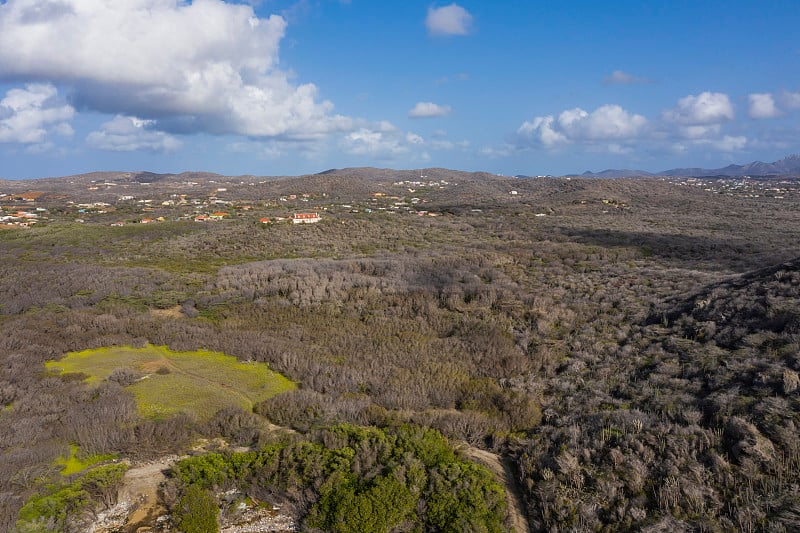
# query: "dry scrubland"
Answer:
x=630 y=348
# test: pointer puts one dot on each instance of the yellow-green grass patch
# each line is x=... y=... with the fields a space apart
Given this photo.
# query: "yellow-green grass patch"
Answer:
x=198 y=383
x=74 y=464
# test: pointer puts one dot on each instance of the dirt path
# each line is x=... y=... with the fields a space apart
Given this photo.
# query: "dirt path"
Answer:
x=140 y=487
x=164 y=362
x=502 y=469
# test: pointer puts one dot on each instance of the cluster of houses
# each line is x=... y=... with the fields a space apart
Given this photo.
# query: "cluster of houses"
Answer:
x=297 y=218
x=122 y=207
x=216 y=215
x=744 y=186
x=413 y=185
x=21 y=218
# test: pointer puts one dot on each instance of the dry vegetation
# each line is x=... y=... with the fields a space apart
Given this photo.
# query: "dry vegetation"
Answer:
x=633 y=351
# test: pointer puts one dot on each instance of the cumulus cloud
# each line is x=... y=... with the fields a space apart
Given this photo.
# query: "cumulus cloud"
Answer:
x=762 y=105
x=619 y=77
x=697 y=120
x=413 y=138
x=382 y=141
x=542 y=130
x=448 y=20
x=727 y=143
x=703 y=109
x=29 y=115
x=700 y=131
x=129 y=134
x=370 y=142
x=428 y=110
x=608 y=122
x=206 y=66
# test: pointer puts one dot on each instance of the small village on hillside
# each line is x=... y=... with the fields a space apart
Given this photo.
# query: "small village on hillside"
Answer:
x=120 y=202
x=123 y=203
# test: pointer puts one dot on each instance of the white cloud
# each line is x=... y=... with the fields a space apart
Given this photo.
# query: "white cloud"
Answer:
x=541 y=131
x=203 y=66
x=700 y=132
x=697 y=120
x=703 y=109
x=129 y=134
x=428 y=110
x=413 y=138
x=448 y=20
x=619 y=77
x=762 y=105
x=728 y=143
x=608 y=122
x=29 y=115
x=383 y=141
x=365 y=141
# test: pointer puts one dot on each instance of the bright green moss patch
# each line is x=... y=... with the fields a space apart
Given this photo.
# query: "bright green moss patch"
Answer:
x=74 y=463
x=164 y=382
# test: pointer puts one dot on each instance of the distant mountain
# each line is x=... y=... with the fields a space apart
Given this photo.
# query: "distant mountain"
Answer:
x=421 y=174
x=616 y=173
x=343 y=183
x=787 y=166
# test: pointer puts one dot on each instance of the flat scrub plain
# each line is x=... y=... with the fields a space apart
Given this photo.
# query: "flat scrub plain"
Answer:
x=198 y=383
x=628 y=349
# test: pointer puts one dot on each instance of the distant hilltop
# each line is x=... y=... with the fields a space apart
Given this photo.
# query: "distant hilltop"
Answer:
x=787 y=166
x=368 y=176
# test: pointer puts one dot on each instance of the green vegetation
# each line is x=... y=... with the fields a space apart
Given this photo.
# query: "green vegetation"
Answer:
x=362 y=479
x=630 y=365
x=60 y=506
x=198 y=383
x=75 y=462
x=196 y=511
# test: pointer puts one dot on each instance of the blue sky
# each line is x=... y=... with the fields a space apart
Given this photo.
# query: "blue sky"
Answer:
x=277 y=87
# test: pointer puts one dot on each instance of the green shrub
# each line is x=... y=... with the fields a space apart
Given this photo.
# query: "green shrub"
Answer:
x=362 y=479
x=59 y=504
x=196 y=511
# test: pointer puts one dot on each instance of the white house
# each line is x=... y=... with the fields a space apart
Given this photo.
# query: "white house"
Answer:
x=305 y=218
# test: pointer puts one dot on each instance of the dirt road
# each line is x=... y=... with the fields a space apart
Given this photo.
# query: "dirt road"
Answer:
x=502 y=470
x=140 y=487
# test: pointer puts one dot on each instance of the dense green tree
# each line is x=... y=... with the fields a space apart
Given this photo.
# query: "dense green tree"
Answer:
x=196 y=511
